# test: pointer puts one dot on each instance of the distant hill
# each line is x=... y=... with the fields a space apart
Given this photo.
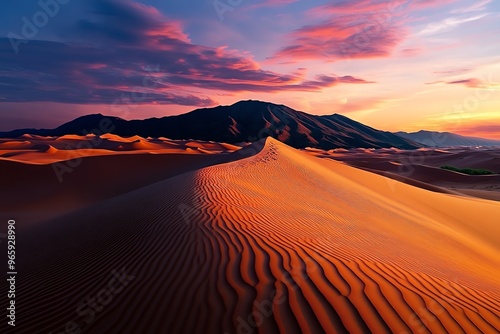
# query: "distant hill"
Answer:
x=446 y=139
x=245 y=121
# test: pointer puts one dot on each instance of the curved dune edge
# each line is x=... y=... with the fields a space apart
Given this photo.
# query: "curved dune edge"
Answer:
x=279 y=242
x=49 y=150
x=422 y=168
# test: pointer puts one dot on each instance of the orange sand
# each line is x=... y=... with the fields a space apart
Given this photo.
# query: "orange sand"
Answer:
x=47 y=150
x=422 y=168
x=277 y=242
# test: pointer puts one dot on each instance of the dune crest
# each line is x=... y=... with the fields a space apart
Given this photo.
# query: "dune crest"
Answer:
x=278 y=242
x=48 y=150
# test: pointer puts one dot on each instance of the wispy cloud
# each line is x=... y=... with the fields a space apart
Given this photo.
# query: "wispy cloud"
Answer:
x=476 y=83
x=472 y=82
x=469 y=82
x=454 y=71
x=477 y=7
x=448 y=24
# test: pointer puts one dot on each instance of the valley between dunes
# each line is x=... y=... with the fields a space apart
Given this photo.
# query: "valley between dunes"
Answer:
x=270 y=240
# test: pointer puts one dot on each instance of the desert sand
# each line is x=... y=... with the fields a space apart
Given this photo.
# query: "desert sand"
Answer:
x=422 y=168
x=44 y=150
x=44 y=177
x=266 y=239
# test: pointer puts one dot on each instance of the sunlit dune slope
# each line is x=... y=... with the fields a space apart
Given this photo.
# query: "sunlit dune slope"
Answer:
x=46 y=150
x=279 y=242
x=423 y=168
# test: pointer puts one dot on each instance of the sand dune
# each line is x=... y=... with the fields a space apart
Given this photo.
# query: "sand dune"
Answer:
x=33 y=192
x=423 y=168
x=15 y=144
x=278 y=242
x=76 y=137
x=48 y=150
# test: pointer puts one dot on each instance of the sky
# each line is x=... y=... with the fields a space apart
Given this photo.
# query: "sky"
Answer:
x=394 y=65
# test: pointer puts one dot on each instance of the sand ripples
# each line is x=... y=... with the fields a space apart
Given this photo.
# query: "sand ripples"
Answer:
x=275 y=243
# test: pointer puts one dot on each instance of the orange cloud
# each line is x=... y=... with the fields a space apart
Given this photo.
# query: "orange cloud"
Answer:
x=480 y=130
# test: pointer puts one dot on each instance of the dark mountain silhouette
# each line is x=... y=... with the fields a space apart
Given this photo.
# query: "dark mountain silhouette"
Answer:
x=245 y=121
x=446 y=139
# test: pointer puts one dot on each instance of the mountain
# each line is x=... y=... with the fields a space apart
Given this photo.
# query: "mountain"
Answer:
x=446 y=139
x=245 y=121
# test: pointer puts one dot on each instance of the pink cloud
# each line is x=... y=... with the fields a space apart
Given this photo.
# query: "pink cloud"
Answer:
x=410 y=52
x=358 y=6
x=419 y=4
x=353 y=29
x=138 y=56
x=342 y=39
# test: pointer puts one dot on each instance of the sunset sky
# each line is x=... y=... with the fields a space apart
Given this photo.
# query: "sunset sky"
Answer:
x=394 y=65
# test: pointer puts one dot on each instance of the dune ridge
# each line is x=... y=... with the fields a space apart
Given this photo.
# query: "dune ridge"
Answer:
x=279 y=242
x=48 y=150
x=422 y=168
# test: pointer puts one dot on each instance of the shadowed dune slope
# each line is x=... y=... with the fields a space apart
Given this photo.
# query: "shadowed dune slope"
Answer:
x=48 y=150
x=33 y=193
x=279 y=242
